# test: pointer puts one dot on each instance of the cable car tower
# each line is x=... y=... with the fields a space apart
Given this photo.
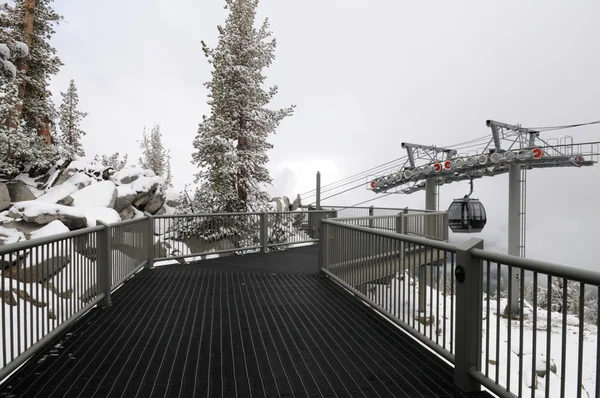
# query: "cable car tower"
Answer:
x=523 y=150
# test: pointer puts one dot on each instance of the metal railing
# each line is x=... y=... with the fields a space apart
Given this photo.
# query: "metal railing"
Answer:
x=432 y=225
x=454 y=299
x=48 y=283
x=201 y=235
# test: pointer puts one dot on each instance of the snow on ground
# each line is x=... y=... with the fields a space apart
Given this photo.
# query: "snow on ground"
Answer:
x=399 y=291
x=100 y=194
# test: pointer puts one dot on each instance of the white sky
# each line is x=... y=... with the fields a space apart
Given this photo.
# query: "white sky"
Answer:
x=365 y=76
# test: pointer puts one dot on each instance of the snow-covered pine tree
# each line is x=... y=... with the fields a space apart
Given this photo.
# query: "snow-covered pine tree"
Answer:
x=558 y=299
x=231 y=144
x=154 y=155
x=28 y=26
x=70 y=120
x=17 y=147
x=113 y=161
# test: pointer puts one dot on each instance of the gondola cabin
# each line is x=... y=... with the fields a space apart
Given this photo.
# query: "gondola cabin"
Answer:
x=466 y=215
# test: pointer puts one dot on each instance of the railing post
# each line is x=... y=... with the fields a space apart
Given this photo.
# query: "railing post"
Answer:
x=445 y=226
x=264 y=232
x=469 y=305
x=103 y=264
x=150 y=241
x=323 y=245
x=400 y=229
x=371 y=212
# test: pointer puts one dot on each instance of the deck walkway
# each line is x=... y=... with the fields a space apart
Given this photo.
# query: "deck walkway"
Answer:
x=240 y=326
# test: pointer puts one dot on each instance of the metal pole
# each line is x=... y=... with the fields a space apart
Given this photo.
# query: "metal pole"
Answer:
x=318 y=190
x=104 y=264
x=264 y=232
x=430 y=187
x=514 y=229
x=150 y=241
x=429 y=228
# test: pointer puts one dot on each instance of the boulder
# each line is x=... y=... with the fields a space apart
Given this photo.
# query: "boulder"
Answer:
x=127 y=213
x=155 y=204
x=26 y=228
x=19 y=192
x=66 y=201
x=129 y=179
x=100 y=194
x=142 y=199
x=107 y=173
x=64 y=176
x=44 y=214
x=124 y=201
x=161 y=211
x=4 y=197
x=125 y=197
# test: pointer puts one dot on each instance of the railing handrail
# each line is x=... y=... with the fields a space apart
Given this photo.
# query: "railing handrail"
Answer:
x=542 y=267
x=449 y=247
x=252 y=213
x=28 y=244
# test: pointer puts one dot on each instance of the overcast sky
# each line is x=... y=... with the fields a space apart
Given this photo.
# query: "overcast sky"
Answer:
x=365 y=76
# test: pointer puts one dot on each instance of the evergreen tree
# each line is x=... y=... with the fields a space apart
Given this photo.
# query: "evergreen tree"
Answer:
x=231 y=142
x=28 y=114
x=42 y=62
x=112 y=161
x=70 y=120
x=154 y=156
x=17 y=147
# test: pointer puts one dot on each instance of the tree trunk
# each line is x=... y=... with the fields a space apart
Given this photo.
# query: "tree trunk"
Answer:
x=23 y=66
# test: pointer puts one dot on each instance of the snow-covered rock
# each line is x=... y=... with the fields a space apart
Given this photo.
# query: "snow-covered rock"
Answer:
x=75 y=194
x=125 y=197
x=4 y=197
x=53 y=228
x=127 y=213
x=104 y=214
x=42 y=213
x=19 y=192
x=129 y=175
x=59 y=192
x=101 y=194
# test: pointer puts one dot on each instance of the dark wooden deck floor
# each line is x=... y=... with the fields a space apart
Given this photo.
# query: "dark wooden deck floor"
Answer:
x=243 y=326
